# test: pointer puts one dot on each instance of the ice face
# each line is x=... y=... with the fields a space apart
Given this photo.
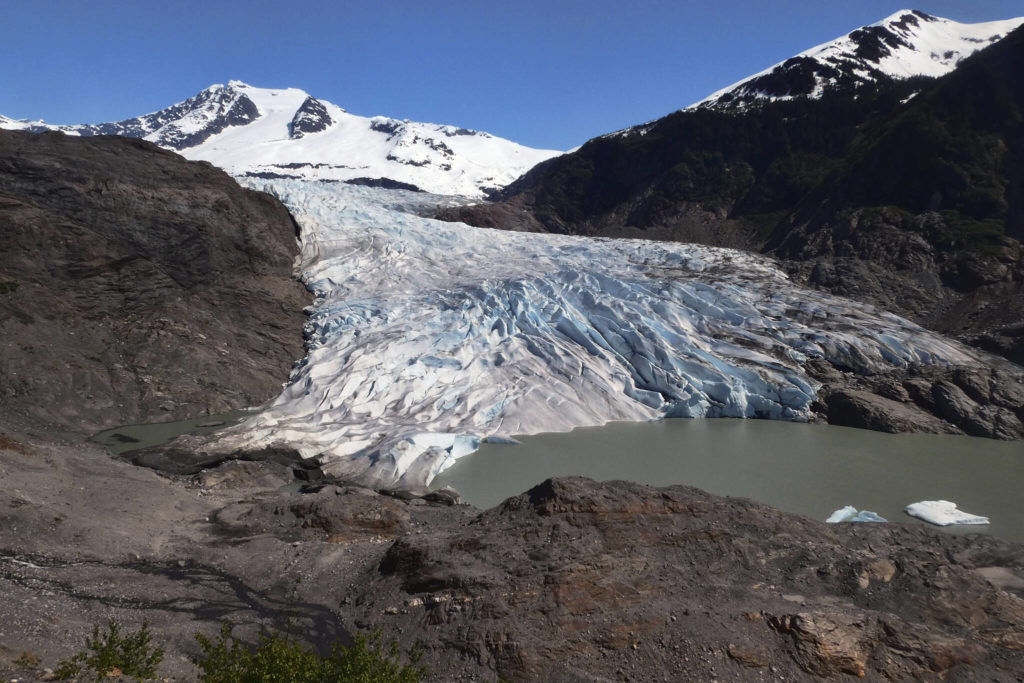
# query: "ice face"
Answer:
x=427 y=337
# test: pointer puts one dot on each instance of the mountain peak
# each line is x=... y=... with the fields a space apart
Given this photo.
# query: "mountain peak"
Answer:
x=287 y=133
x=903 y=14
x=905 y=44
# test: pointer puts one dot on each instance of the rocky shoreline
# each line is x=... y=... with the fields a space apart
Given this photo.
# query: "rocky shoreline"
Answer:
x=986 y=402
x=573 y=580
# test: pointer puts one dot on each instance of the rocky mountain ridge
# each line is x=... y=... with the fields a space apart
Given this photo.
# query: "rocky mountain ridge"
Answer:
x=906 y=44
x=906 y=195
x=287 y=133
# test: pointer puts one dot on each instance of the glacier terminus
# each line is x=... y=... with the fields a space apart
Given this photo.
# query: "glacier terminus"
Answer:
x=428 y=337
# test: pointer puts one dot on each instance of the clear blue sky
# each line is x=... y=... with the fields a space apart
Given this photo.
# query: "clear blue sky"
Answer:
x=547 y=74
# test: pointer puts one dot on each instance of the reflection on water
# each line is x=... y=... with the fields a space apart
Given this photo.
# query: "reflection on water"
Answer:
x=807 y=469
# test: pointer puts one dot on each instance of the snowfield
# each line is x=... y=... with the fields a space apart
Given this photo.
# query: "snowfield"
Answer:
x=435 y=158
x=287 y=133
x=427 y=337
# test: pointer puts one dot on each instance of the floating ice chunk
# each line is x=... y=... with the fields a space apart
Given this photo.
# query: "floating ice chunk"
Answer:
x=943 y=513
x=850 y=514
x=841 y=515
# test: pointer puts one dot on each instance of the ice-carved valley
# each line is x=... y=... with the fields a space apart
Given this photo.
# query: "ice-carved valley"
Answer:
x=427 y=337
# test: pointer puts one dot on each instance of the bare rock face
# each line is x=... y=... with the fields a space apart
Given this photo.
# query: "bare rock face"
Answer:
x=311 y=117
x=883 y=258
x=136 y=286
x=576 y=580
x=977 y=401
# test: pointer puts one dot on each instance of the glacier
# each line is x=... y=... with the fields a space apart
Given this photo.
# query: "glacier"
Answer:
x=427 y=337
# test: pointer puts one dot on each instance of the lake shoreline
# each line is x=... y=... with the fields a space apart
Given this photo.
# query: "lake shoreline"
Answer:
x=806 y=469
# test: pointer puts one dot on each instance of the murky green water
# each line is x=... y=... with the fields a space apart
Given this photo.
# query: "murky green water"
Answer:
x=134 y=437
x=807 y=469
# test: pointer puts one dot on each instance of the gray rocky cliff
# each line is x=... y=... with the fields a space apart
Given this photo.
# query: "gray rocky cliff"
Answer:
x=138 y=286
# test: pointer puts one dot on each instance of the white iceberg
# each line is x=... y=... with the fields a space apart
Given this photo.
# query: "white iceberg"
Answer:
x=943 y=513
x=851 y=514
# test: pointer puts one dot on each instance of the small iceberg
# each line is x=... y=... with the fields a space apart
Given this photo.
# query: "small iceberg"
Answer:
x=943 y=513
x=850 y=514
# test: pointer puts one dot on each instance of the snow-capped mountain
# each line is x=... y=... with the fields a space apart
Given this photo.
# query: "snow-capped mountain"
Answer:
x=268 y=133
x=906 y=44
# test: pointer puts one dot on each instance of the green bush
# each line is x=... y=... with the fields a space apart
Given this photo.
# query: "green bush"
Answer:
x=281 y=657
x=112 y=653
x=27 y=660
x=8 y=286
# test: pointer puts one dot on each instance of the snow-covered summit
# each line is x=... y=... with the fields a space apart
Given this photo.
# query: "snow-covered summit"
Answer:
x=287 y=133
x=906 y=44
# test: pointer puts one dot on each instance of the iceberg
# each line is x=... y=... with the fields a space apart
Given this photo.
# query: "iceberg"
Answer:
x=943 y=513
x=851 y=514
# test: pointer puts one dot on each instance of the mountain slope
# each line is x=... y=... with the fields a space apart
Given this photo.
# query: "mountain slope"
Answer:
x=906 y=44
x=935 y=189
x=287 y=133
x=136 y=286
x=958 y=147
x=785 y=175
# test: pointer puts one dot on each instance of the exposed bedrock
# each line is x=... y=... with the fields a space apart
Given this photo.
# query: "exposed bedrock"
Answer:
x=137 y=286
x=885 y=257
x=971 y=400
x=571 y=581
x=576 y=580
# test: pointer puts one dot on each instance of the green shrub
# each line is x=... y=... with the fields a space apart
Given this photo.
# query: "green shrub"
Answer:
x=281 y=657
x=8 y=286
x=112 y=653
x=27 y=660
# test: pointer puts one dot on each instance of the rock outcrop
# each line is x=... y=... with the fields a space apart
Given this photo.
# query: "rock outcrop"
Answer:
x=576 y=580
x=136 y=286
x=573 y=580
x=580 y=581
x=977 y=401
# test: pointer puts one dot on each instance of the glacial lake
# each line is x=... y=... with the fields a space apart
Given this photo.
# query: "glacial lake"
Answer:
x=129 y=438
x=811 y=470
